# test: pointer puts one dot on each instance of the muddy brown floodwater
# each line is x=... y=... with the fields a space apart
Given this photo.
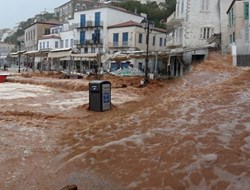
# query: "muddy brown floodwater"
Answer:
x=187 y=133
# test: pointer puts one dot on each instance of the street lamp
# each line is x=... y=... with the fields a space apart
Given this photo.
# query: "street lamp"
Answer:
x=148 y=26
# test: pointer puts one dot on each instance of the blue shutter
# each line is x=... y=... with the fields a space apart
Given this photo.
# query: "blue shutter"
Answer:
x=97 y=18
x=83 y=20
x=82 y=37
x=246 y=10
x=96 y=36
x=115 y=39
x=125 y=38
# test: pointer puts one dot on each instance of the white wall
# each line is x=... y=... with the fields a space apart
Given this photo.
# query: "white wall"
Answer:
x=109 y=16
x=133 y=38
x=224 y=5
x=196 y=19
x=48 y=43
x=67 y=37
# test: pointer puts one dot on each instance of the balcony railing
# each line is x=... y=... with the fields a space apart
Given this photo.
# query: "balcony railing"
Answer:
x=88 y=42
x=125 y=43
x=174 y=19
x=172 y=42
x=90 y=24
x=117 y=45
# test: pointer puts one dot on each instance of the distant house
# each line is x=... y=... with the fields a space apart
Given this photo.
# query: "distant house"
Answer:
x=130 y=36
x=35 y=32
x=91 y=32
x=191 y=26
x=238 y=33
x=6 y=48
x=67 y=10
x=52 y=40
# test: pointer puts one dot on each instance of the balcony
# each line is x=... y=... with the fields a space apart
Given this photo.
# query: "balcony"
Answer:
x=88 y=43
x=90 y=25
x=172 y=42
x=117 y=45
x=174 y=20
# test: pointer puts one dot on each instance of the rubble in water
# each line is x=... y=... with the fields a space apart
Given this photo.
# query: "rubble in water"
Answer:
x=130 y=71
x=187 y=133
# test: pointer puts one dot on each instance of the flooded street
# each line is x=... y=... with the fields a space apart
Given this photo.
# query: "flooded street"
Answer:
x=187 y=133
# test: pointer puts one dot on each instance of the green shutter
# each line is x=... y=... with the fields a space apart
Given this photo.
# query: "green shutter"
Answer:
x=246 y=10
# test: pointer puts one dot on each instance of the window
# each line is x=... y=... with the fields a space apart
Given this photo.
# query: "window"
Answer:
x=231 y=16
x=97 y=18
x=40 y=44
x=246 y=10
x=61 y=43
x=82 y=20
x=204 y=5
x=71 y=43
x=182 y=6
x=56 y=44
x=47 y=31
x=82 y=37
x=140 y=39
x=92 y=50
x=160 y=43
x=78 y=7
x=125 y=39
x=153 y=41
x=66 y=43
x=34 y=34
x=96 y=37
x=206 y=32
x=43 y=45
x=86 y=50
x=115 y=39
x=48 y=45
x=232 y=38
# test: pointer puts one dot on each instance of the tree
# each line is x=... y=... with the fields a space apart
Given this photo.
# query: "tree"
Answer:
x=155 y=12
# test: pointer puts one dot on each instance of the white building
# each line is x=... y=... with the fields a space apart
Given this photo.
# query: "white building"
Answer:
x=237 y=36
x=92 y=26
x=191 y=25
x=60 y=37
x=104 y=30
x=130 y=36
x=224 y=22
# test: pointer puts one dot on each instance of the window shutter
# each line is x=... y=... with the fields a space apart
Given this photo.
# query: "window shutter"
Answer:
x=207 y=3
x=246 y=10
x=201 y=33
x=202 y=5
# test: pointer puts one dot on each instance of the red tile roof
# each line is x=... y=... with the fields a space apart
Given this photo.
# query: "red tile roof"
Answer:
x=125 y=24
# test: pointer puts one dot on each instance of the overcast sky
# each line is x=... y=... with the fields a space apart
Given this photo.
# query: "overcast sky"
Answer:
x=15 y=11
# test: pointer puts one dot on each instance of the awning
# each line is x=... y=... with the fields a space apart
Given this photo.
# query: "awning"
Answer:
x=59 y=54
x=31 y=52
x=3 y=56
x=15 y=54
x=85 y=56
